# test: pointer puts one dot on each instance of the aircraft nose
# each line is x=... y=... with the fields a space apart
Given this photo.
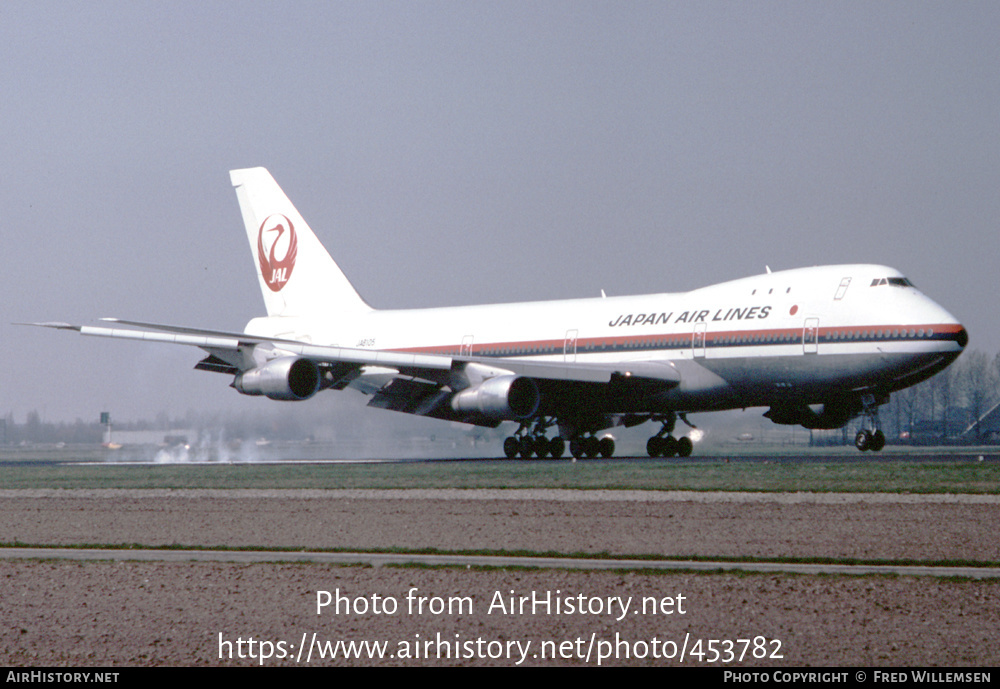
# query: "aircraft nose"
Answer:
x=952 y=328
x=962 y=338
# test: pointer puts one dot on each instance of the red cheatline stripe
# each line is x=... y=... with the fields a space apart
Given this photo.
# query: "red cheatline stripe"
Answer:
x=778 y=336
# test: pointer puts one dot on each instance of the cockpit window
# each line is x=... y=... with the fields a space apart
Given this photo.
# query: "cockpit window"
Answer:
x=898 y=282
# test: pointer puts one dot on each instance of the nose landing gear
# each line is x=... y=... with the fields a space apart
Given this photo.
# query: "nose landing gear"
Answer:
x=871 y=438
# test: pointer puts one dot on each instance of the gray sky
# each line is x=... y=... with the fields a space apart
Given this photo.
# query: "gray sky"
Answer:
x=468 y=152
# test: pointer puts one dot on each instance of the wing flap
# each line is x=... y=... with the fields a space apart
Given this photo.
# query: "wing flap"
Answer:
x=409 y=396
x=665 y=373
x=216 y=365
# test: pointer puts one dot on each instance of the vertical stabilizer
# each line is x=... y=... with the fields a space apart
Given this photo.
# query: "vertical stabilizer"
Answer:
x=296 y=273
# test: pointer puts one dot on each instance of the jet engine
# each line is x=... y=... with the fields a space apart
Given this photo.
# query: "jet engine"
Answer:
x=502 y=397
x=828 y=415
x=286 y=378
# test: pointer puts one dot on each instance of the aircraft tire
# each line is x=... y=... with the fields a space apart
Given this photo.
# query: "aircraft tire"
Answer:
x=606 y=447
x=591 y=446
x=684 y=447
x=510 y=447
x=863 y=440
x=654 y=446
x=526 y=446
x=541 y=444
x=557 y=446
x=576 y=448
x=877 y=441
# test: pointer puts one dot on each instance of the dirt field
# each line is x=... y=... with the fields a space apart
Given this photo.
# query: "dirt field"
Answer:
x=103 y=613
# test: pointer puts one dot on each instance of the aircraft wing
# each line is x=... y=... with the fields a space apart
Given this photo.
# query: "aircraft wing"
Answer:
x=409 y=363
x=218 y=342
x=411 y=382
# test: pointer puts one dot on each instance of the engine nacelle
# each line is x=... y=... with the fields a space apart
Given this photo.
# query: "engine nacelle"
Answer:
x=286 y=378
x=503 y=397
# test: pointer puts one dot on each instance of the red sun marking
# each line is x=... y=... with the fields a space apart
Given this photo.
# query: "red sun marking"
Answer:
x=277 y=237
x=794 y=310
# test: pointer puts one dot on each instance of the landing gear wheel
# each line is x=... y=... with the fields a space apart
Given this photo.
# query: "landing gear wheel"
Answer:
x=877 y=441
x=659 y=446
x=526 y=446
x=664 y=444
x=863 y=440
x=591 y=446
x=606 y=446
x=541 y=445
x=871 y=437
x=511 y=447
x=576 y=447
x=684 y=447
x=654 y=446
x=556 y=447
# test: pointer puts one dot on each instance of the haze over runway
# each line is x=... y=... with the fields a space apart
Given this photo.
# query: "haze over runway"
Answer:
x=474 y=152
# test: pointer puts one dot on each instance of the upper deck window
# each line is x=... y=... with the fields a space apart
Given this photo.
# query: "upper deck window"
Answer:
x=898 y=282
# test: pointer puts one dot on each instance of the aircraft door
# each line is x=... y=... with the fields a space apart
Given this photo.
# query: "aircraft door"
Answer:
x=810 y=336
x=842 y=290
x=467 y=345
x=698 y=340
x=569 y=347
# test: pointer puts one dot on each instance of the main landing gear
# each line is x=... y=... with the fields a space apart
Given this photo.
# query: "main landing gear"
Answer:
x=531 y=445
x=528 y=443
x=590 y=446
x=664 y=444
x=871 y=438
x=532 y=442
x=669 y=446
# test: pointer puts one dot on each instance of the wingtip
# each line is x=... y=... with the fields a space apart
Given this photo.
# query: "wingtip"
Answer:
x=53 y=324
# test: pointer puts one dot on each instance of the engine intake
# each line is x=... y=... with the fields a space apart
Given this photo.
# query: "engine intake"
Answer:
x=287 y=378
x=502 y=397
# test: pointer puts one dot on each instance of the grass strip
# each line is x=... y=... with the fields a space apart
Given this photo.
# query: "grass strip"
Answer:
x=604 y=555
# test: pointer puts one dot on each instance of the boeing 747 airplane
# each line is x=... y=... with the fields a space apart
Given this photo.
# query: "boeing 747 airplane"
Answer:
x=816 y=346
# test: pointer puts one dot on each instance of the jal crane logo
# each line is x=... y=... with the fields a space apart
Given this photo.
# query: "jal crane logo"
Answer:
x=277 y=246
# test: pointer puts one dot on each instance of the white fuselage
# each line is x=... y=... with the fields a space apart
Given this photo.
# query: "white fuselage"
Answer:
x=801 y=333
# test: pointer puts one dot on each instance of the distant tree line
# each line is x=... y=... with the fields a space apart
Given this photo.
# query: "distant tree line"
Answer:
x=949 y=404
